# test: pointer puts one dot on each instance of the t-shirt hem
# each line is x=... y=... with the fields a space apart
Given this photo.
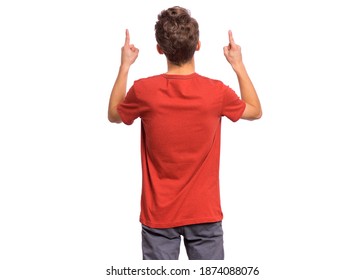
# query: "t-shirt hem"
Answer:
x=239 y=114
x=124 y=119
x=182 y=222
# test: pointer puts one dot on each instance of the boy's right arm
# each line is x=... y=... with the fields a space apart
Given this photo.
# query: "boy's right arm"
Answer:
x=129 y=54
x=233 y=55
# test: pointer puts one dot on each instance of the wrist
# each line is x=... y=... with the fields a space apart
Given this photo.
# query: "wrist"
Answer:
x=124 y=68
x=239 y=68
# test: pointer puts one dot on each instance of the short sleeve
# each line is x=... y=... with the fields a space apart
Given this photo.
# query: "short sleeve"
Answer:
x=232 y=106
x=129 y=109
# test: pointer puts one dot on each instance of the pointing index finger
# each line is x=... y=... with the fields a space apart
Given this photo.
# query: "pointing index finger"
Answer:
x=127 y=37
x=231 y=39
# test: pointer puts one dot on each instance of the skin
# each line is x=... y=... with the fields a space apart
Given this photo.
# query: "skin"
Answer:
x=129 y=54
x=232 y=52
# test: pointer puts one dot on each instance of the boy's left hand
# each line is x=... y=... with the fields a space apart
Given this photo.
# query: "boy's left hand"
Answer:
x=129 y=52
x=232 y=52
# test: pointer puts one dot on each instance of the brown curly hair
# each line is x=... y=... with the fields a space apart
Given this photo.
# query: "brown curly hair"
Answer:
x=177 y=34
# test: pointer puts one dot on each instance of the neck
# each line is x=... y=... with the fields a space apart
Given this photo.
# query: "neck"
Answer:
x=184 y=69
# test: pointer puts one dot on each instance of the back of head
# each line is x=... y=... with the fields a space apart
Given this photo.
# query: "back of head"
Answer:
x=177 y=34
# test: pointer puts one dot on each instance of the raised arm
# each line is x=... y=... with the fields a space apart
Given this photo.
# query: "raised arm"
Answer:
x=233 y=55
x=129 y=54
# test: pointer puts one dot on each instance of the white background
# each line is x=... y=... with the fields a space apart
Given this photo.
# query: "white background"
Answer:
x=291 y=182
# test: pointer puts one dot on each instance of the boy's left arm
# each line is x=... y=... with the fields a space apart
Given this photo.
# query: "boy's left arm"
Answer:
x=129 y=54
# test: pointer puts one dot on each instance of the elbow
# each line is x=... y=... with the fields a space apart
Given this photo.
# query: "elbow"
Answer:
x=254 y=118
x=258 y=115
x=113 y=115
x=114 y=119
x=257 y=112
x=252 y=114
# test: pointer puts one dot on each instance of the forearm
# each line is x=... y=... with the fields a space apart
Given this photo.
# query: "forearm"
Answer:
x=248 y=92
x=118 y=94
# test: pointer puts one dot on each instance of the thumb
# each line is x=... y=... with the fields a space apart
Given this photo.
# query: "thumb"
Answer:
x=226 y=50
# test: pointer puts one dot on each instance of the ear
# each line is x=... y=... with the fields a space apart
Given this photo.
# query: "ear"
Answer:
x=159 y=49
x=198 y=46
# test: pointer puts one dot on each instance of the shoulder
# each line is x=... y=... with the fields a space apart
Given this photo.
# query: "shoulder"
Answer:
x=149 y=80
x=146 y=84
x=213 y=85
x=210 y=81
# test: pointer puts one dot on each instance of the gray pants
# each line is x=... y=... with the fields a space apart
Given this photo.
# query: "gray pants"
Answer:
x=202 y=242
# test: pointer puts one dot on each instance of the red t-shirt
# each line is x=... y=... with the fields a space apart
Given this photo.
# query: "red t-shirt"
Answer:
x=180 y=145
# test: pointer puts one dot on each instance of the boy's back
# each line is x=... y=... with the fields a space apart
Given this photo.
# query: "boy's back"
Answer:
x=181 y=121
x=180 y=115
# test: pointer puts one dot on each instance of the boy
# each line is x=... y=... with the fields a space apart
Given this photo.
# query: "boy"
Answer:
x=180 y=115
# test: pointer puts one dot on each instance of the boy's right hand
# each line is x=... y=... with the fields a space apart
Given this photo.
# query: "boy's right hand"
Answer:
x=232 y=53
x=129 y=52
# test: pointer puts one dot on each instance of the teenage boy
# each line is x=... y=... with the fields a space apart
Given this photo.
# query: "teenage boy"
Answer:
x=181 y=113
